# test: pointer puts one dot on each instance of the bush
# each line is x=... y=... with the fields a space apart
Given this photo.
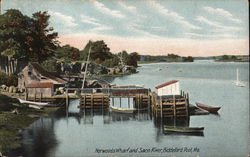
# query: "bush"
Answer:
x=10 y=80
x=51 y=65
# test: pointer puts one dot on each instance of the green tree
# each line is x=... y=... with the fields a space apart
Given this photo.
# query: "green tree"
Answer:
x=44 y=40
x=67 y=53
x=99 y=51
x=15 y=34
x=123 y=56
x=133 y=58
x=22 y=37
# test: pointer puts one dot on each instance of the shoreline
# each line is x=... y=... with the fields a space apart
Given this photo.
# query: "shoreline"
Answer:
x=14 y=118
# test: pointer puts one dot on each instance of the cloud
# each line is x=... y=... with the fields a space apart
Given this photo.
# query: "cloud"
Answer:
x=216 y=24
x=129 y=8
x=209 y=36
x=68 y=21
x=172 y=15
x=223 y=13
x=98 y=27
x=102 y=8
x=89 y=20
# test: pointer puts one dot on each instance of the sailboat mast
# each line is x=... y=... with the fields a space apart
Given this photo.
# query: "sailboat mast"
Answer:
x=237 y=79
x=86 y=68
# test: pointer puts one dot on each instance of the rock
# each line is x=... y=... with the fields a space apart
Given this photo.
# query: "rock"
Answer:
x=128 y=69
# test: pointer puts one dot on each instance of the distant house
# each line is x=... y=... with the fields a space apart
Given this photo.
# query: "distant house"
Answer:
x=168 y=88
x=37 y=80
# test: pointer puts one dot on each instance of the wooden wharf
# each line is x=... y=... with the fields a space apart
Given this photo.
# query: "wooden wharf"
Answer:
x=170 y=106
x=143 y=98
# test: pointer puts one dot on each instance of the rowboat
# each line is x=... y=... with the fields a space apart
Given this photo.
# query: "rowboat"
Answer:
x=210 y=109
x=122 y=110
x=35 y=106
x=33 y=102
x=183 y=129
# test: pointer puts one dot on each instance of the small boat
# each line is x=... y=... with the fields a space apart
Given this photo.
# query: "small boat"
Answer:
x=35 y=106
x=122 y=110
x=210 y=109
x=238 y=82
x=33 y=102
x=183 y=129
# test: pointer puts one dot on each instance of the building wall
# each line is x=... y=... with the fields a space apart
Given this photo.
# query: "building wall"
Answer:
x=30 y=76
x=45 y=92
x=173 y=89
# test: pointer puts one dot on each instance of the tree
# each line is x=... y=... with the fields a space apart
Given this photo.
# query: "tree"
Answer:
x=123 y=56
x=26 y=38
x=67 y=53
x=15 y=35
x=43 y=39
x=133 y=58
x=99 y=51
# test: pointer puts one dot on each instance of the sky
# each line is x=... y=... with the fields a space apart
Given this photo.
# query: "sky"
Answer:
x=150 y=27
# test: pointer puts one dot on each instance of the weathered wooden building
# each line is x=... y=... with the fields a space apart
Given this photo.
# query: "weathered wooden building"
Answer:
x=38 y=81
x=170 y=101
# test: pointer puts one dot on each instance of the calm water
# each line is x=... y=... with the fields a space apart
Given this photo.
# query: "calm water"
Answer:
x=82 y=133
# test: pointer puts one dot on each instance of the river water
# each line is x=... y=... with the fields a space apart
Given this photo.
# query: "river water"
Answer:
x=76 y=133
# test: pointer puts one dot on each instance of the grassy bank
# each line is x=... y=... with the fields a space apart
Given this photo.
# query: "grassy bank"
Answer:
x=12 y=123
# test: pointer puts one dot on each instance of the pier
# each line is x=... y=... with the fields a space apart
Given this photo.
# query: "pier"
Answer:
x=138 y=98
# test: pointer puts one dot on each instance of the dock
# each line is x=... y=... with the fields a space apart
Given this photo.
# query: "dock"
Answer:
x=139 y=98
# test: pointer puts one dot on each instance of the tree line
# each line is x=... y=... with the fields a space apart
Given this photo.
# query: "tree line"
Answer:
x=24 y=38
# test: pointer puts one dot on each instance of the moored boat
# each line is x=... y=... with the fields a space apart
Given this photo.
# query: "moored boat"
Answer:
x=210 y=109
x=183 y=129
x=122 y=110
x=33 y=102
x=35 y=106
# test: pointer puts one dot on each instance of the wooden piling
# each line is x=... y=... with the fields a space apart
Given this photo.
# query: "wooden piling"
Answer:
x=67 y=98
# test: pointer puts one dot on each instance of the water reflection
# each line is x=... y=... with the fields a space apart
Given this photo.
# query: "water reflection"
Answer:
x=38 y=140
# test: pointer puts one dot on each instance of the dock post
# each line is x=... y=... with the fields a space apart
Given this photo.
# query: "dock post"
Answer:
x=35 y=96
x=187 y=103
x=161 y=107
x=174 y=103
x=41 y=96
x=102 y=102
x=67 y=98
x=26 y=94
x=92 y=101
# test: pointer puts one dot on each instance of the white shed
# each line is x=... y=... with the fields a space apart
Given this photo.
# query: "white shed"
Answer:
x=168 y=88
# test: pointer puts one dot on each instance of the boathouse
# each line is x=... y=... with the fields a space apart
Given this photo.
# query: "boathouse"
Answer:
x=168 y=88
x=38 y=81
x=170 y=101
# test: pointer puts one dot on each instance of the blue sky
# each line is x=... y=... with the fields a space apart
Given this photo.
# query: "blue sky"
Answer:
x=181 y=21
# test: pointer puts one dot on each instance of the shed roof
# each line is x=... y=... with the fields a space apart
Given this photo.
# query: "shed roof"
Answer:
x=47 y=74
x=166 y=84
x=40 y=85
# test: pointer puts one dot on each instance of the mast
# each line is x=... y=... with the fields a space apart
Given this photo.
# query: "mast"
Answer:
x=237 y=77
x=86 y=67
x=0 y=7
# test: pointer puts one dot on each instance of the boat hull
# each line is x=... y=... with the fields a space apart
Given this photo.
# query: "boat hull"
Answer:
x=32 y=102
x=184 y=129
x=121 y=110
x=210 y=109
